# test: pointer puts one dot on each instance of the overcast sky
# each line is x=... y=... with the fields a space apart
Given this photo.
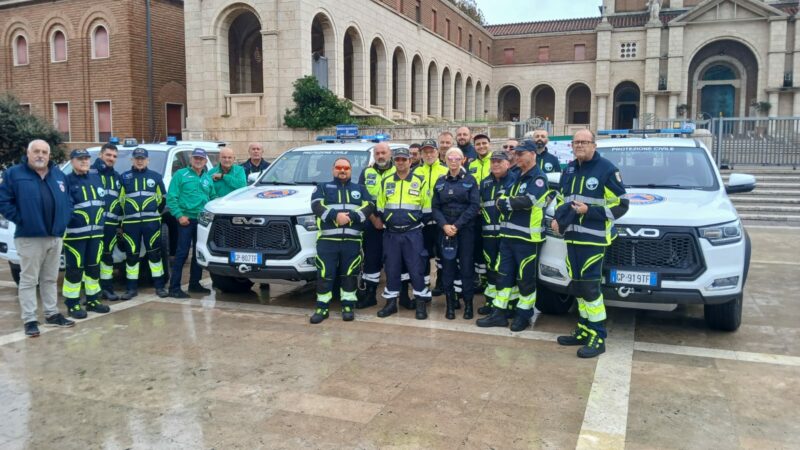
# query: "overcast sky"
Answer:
x=509 y=11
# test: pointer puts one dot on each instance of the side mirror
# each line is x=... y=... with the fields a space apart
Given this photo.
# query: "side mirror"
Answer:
x=253 y=177
x=553 y=180
x=739 y=183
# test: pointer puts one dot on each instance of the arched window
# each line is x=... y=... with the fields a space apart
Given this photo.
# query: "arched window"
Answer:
x=20 y=51
x=100 y=43
x=58 y=46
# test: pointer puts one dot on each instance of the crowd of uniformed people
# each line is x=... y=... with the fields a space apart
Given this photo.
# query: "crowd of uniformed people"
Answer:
x=480 y=215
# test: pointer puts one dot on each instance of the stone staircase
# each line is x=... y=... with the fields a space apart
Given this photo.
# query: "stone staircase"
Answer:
x=774 y=201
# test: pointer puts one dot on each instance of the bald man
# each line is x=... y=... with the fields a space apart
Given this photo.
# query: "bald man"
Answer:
x=464 y=142
x=227 y=176
x=255 y=163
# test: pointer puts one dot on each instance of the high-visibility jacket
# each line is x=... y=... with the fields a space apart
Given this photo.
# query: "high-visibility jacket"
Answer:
x=372 y=177
x=189 y=192
x=88 y=215
x=598 y=184
x=142 y=195
x=491 y=189
x=527 y=198
x=548 y=162
x=480 y=168
x=111 y=185
x=333 y=197
x=404 y=202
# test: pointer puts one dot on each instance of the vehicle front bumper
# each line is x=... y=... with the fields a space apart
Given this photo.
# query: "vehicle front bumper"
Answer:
x=721 y=262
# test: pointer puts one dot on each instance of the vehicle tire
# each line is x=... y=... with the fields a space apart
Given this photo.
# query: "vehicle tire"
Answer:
x=231 y=285
x=551 y=302
x=15 y=269
x=726 y=316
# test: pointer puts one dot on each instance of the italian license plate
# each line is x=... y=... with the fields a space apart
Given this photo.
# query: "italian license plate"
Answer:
x=246 y=258
x=637 y=278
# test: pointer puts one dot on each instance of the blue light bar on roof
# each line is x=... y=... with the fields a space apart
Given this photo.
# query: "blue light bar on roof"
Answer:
x=114 y=140
x=347 y=131
x=628 y=132
x=380 y=137
x=172 y=140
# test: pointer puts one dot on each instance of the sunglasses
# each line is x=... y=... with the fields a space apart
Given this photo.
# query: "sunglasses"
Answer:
x=508 y=147
x=400 y=158
x=342 y=167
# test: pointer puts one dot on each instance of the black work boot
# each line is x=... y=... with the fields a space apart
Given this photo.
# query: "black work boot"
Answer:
x=96 y=306
x=406 y=301
x=369 y=296
x=347 y=313
x=468 y=312
x=496 y=319
x=522 y=319
x=107 y=290
x=422 y=312
x=129 y=294
x=487 y=307
x=319 y=315
x=594 y=346
x=389 y=309
x=457 y=300
x=198 y=288
x=75 y=310
x=579 y=336
x=512 y=308
x=449 y=299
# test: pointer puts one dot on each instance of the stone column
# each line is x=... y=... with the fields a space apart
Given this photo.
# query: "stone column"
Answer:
x=524 y=105
x=650 y=104
x=672 y=110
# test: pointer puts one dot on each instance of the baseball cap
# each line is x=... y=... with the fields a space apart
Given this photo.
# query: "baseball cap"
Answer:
x=526 y=146
x=139 y=152
x=401 y=152
x=79 y=153
x=429 y=143
x=500 y=155
x=199 y=152
x=480 y=136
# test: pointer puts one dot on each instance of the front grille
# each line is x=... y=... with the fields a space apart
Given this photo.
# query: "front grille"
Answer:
x=276 y=238
x=674 y=255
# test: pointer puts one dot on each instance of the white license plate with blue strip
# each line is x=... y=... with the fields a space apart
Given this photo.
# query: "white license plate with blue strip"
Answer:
x=245 y=258
x=635 y=278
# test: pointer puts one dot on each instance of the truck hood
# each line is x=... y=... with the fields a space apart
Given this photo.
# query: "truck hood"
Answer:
x=673 y=207
x=265 y=200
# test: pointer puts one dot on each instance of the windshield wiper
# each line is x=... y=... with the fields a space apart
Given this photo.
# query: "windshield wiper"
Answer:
x=276 y=182
x=661 y=186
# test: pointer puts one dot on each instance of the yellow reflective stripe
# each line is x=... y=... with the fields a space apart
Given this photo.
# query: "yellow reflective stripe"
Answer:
x=75 y=253
x=91 y=285
x=71 y=290
x=354 y=265
x=582 y=308
x=589 y=262
x=527 y=301
x=349 y=296
x=153 y=238
x=156 y=268
x=523 y=264
x=324 y=298
x=132 y=272
x=320 y=266
x=106 y=272
x=490 y=291
x=502 y=298
x=596 y=310
x=569 y=268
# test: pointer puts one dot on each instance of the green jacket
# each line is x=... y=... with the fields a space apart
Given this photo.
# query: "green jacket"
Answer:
x=229 y=182
x=188 y=193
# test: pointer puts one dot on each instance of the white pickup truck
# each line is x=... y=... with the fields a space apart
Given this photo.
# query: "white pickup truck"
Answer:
x=681 y=241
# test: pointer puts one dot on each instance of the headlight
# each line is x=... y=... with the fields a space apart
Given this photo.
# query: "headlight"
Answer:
x=205 y=218
x=727 y=233
x=308 y=222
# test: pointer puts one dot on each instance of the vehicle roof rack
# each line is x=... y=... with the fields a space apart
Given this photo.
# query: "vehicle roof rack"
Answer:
x=645 y=132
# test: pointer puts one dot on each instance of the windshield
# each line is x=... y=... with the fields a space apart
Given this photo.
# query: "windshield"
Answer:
x=158 y=160
x=312 y=166
x=663 y=167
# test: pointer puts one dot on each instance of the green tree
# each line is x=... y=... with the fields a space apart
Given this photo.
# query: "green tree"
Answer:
x=470 y=8
x=315 y=107
x=18 y=127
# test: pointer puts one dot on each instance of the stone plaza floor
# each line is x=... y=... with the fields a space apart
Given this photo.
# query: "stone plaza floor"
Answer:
x=249 y=371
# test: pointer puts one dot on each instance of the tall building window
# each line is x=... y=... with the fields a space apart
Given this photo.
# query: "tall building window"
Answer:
x=100 y=43
x=61 y=119
x=418 y=11
x=25 y=108
x=447 y=28
x=480 y=48
x=20 y=51
x=102 y=121
x=508 y=56
x=435 y=21
x=470 y=43
x=580 y=52
x=460 y=37
x=544 y=54
x=58 y=46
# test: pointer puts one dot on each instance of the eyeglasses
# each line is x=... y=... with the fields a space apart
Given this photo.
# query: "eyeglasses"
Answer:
x=454 y=158
x=574 y=143
x=342 y=167
x=508 y=147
